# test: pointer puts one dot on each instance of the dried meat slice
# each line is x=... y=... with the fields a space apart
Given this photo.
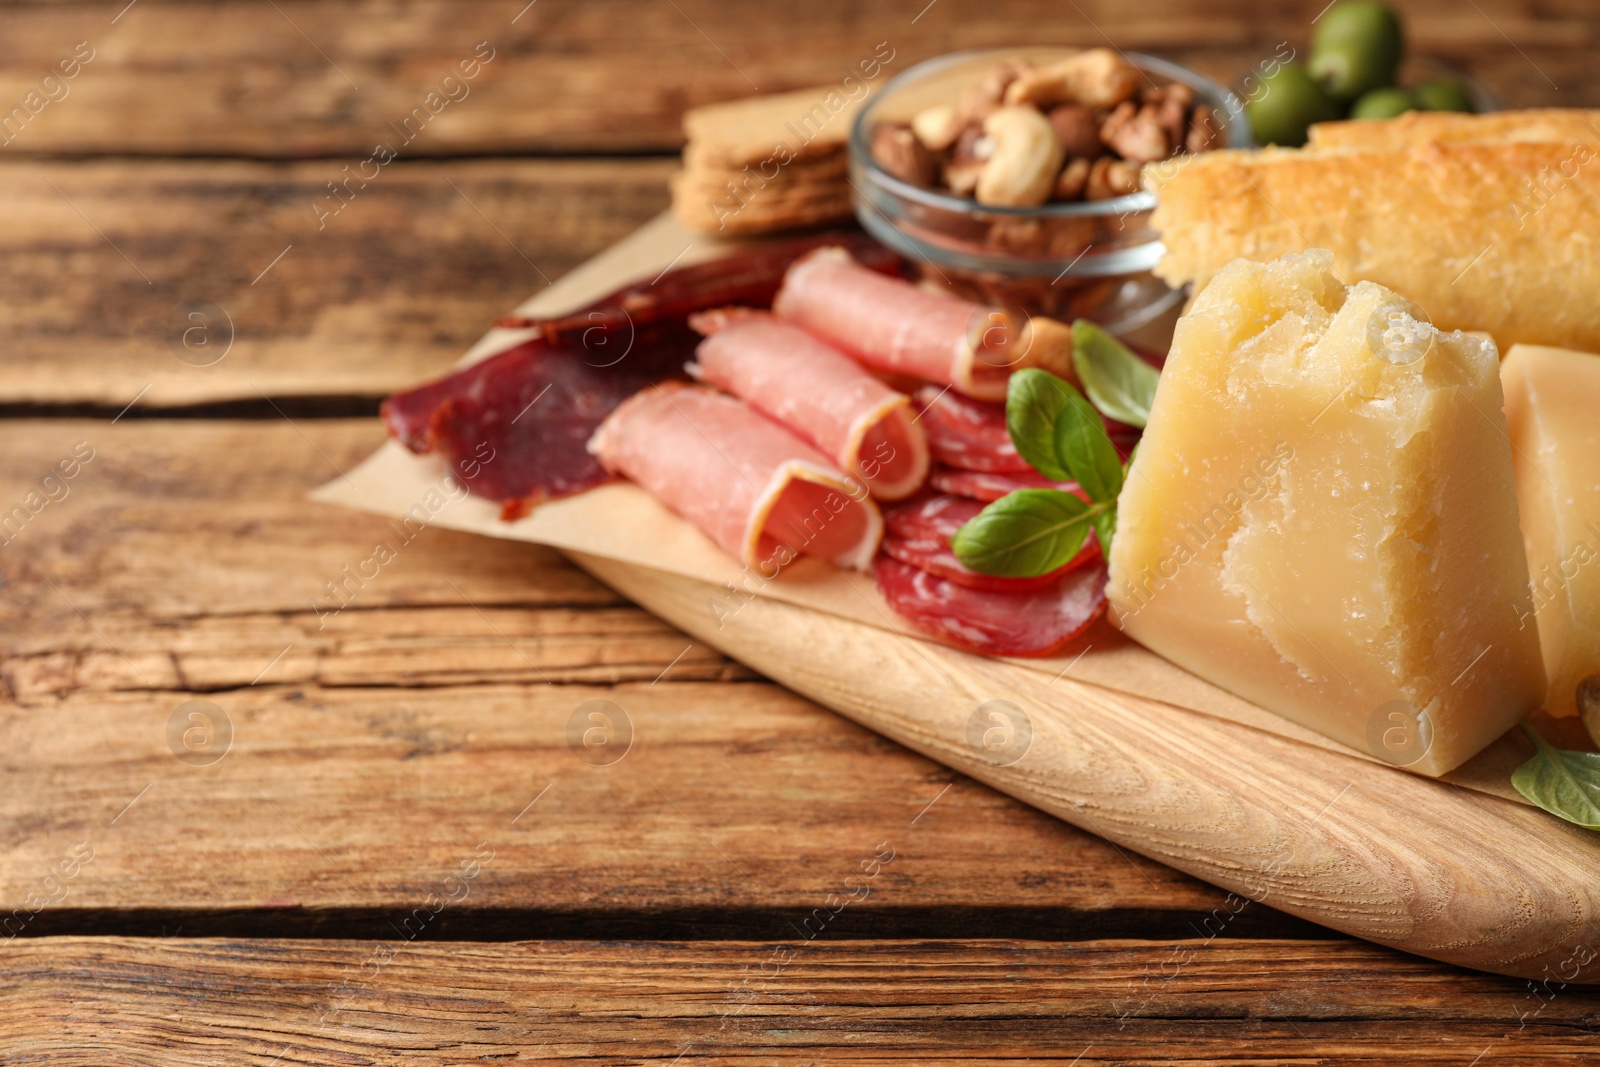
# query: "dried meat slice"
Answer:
x=750 y=485
x=989 y=486
x=514 y=427
x=966 y=433
x=906 y=330
x=819 y=393
x=1033 y=623
x=919 y=532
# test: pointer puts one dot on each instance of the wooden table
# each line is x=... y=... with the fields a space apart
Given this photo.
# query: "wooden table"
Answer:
x=243 y=829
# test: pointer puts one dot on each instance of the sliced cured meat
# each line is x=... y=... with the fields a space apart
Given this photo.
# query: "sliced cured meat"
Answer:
x=930 y=517
x=532 y=408
x=514 y=427
x=989 y=486
x=966 y=433
x=1033 y=623
x=919 y=531
x=750 y=276
x=750 y=485
x=936 y=558
x=903 y=329
x=818 y=392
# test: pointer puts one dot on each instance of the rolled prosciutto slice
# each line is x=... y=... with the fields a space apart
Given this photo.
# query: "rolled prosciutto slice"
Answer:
x=902 y=329
x=753 y=487
x=818 y=392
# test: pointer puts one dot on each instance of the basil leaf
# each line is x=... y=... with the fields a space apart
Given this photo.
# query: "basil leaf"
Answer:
x=1120 y=384
x=1085 y=450
x=1562 y=782
x=1034 y=400
x=1105 y=528
x=1024 y=534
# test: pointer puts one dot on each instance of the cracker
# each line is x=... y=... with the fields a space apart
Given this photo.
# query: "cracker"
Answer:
x=808 y=123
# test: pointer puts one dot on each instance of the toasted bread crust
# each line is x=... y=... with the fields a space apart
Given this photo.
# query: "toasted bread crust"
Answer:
x=1502 y=237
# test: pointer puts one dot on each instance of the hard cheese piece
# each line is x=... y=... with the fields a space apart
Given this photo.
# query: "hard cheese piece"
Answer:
x=1553 y=408
x=1322 y=519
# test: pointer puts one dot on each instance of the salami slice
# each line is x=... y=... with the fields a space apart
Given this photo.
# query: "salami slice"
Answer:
x=750 y=485
x=918 y=532
x=819 y=393
x=989 y=486
x=966 y=433
x=903 y=329
x=1033 y=623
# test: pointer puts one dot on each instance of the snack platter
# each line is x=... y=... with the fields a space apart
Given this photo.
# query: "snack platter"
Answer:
x=1106 y=735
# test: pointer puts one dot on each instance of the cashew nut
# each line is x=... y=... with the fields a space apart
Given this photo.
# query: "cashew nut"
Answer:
x=1027 y=157
x=1098 y=77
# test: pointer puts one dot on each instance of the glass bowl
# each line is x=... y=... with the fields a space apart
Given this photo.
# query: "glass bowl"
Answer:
x=1088 y=259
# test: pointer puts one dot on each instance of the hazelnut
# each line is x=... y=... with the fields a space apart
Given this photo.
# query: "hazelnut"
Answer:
x=936 y=127
x=1077 y=129
x=898 y=151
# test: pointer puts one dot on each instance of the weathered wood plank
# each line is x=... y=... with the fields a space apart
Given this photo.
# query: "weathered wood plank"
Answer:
x=306 y=77
x=375 y=747
x=1097 y=1003
x=105 y=262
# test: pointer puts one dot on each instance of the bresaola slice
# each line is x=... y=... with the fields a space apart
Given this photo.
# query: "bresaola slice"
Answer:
x=514 y=426
x=818 y=392
x=1034 y=623
x=747 y=483
x=903 y=329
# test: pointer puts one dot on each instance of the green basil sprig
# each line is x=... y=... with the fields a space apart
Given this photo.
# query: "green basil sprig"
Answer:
x=1034 y=531
x=1119 y=383
x=1563 y=782
x=1025 y=533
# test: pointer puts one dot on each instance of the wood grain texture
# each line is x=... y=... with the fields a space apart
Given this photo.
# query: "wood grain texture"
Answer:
x=1397 y=859
x=105 y=261
x=800 y=1002
x=374 y=748
x=334 y=77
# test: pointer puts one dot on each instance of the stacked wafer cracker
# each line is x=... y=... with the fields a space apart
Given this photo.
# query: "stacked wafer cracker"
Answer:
x=767 y=163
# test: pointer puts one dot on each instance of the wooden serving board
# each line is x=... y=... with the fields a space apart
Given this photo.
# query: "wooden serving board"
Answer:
x=1111 y=739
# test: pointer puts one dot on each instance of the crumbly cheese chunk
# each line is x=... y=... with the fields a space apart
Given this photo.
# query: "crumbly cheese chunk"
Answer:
x=1321 y=517
x=1553 y=411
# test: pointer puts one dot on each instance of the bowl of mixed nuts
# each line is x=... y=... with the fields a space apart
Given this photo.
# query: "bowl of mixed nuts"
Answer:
x=1013 y=175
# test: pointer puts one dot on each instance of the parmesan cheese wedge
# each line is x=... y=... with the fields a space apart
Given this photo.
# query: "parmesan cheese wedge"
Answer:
x=1321 y=517
x=1553 y=408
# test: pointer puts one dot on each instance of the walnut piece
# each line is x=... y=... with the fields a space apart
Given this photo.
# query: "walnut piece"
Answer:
x=1136 y=133
x=1111 y=177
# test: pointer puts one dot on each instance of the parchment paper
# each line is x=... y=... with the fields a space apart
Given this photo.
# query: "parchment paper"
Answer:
x=622 y=522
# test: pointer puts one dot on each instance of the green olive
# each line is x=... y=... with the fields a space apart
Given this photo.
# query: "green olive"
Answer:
x=1383 y=104
x=1356 y=48
x=1443 y=94
x=1285 y=103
